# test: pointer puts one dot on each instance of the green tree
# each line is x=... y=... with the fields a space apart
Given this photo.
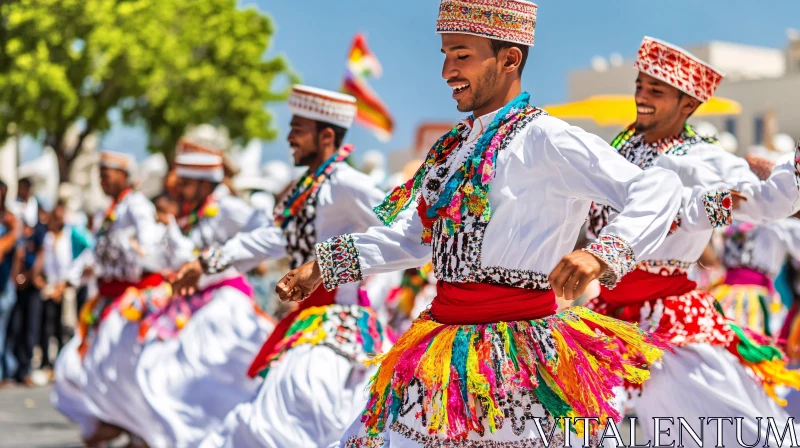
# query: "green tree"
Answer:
x=164 y=64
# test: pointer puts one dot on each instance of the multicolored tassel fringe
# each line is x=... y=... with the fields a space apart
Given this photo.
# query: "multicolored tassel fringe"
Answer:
x=765 y=360
x=351 y=330
x=570 y=361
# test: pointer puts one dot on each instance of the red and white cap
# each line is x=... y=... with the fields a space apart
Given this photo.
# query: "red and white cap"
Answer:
x=323 y=105
x=507 y=20
x=118 y=161
x=200 y=166
x=678 y=68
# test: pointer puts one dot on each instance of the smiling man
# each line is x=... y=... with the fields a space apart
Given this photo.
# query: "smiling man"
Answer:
x=498 y=205
x=716 y=370
x=312 y=363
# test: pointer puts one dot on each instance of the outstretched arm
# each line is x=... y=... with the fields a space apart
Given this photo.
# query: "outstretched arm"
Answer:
x=648 y=203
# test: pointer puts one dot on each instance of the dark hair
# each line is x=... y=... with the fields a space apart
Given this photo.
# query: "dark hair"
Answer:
x=3 y=185
x=24 y=181
x=338 y=132
x=498 y=45
x=60 y=203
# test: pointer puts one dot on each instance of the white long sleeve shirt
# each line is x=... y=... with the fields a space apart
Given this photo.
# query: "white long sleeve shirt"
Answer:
x=707 y=172
x=547 y=175
x=233 y=216
x=128 y=247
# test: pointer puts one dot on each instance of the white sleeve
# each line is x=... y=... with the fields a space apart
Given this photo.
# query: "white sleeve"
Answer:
x=648 y=201
x=789 y=232
x=708 y=166
x=711 y=172
x=149 y=233
x=247 y=250
x=702 y=210
x=348 y=258
x=773 y=199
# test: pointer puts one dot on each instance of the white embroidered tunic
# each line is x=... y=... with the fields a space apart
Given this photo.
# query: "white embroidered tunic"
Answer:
x=547 y=175
x=707 y=171
x=344 y=204
x=130 y=245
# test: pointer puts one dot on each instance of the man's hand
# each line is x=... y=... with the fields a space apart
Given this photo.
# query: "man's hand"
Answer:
x=189 y=274
x=298 y=284
x=737 y=199
x=11 y=222
x=574 y=272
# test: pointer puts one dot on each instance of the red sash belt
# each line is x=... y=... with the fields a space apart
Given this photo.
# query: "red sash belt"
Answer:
x=114 y=288
x=320 y=297
x=641 y=286
x=483 y=303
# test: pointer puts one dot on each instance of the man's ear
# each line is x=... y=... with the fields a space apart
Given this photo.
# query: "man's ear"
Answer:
x=511 y=58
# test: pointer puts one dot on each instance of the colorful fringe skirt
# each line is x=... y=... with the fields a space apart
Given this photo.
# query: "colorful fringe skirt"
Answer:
x=352 y=331
x=168 y=320
x=474 y=385
x=693 y=318
x=133 y=304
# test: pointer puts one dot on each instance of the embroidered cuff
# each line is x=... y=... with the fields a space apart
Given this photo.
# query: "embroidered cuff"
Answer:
x=338 y=261
x=212 y=261
x=617 y=254
x=797 y=165
x=719 y=208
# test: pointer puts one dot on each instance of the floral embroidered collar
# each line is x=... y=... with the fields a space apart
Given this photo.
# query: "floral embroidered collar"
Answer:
x=467 y=190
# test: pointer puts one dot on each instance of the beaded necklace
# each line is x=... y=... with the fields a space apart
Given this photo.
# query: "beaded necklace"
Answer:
x=111 y=216
x=307 y=187
x=467 y=191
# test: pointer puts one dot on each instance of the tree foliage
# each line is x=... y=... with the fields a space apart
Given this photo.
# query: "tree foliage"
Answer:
x=164 y=64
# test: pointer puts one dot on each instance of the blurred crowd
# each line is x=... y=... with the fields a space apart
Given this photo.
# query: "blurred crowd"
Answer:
x=43 y=283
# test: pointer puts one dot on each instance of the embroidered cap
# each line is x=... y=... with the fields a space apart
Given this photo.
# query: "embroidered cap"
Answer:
x=507 y=20
x=678 y=68
x=323 y=105
x=208 y=139
x=199 y=166
x=118 y=161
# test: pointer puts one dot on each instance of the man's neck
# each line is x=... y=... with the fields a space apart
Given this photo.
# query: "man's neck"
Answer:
x=323 y=156
x=501 y=100
x=657 y=135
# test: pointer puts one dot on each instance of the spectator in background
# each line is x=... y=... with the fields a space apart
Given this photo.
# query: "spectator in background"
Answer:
x=9 y=229
x=62 y=245
x=26 y=206
x=25 y=326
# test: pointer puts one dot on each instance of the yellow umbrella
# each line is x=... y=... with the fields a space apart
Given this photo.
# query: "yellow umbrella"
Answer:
x=620 y=110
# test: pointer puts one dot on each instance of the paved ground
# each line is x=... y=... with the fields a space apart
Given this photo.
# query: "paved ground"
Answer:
x=28 y=421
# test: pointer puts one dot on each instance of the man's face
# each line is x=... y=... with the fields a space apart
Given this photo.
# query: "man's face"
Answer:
x=113 y=181
x=58 y=216
x=470 y=69
x=23 y=190
x=658 y=104
x=189 y=190
x=303 y=141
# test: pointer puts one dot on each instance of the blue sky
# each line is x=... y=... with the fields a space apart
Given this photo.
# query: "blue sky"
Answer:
x=315 y=36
